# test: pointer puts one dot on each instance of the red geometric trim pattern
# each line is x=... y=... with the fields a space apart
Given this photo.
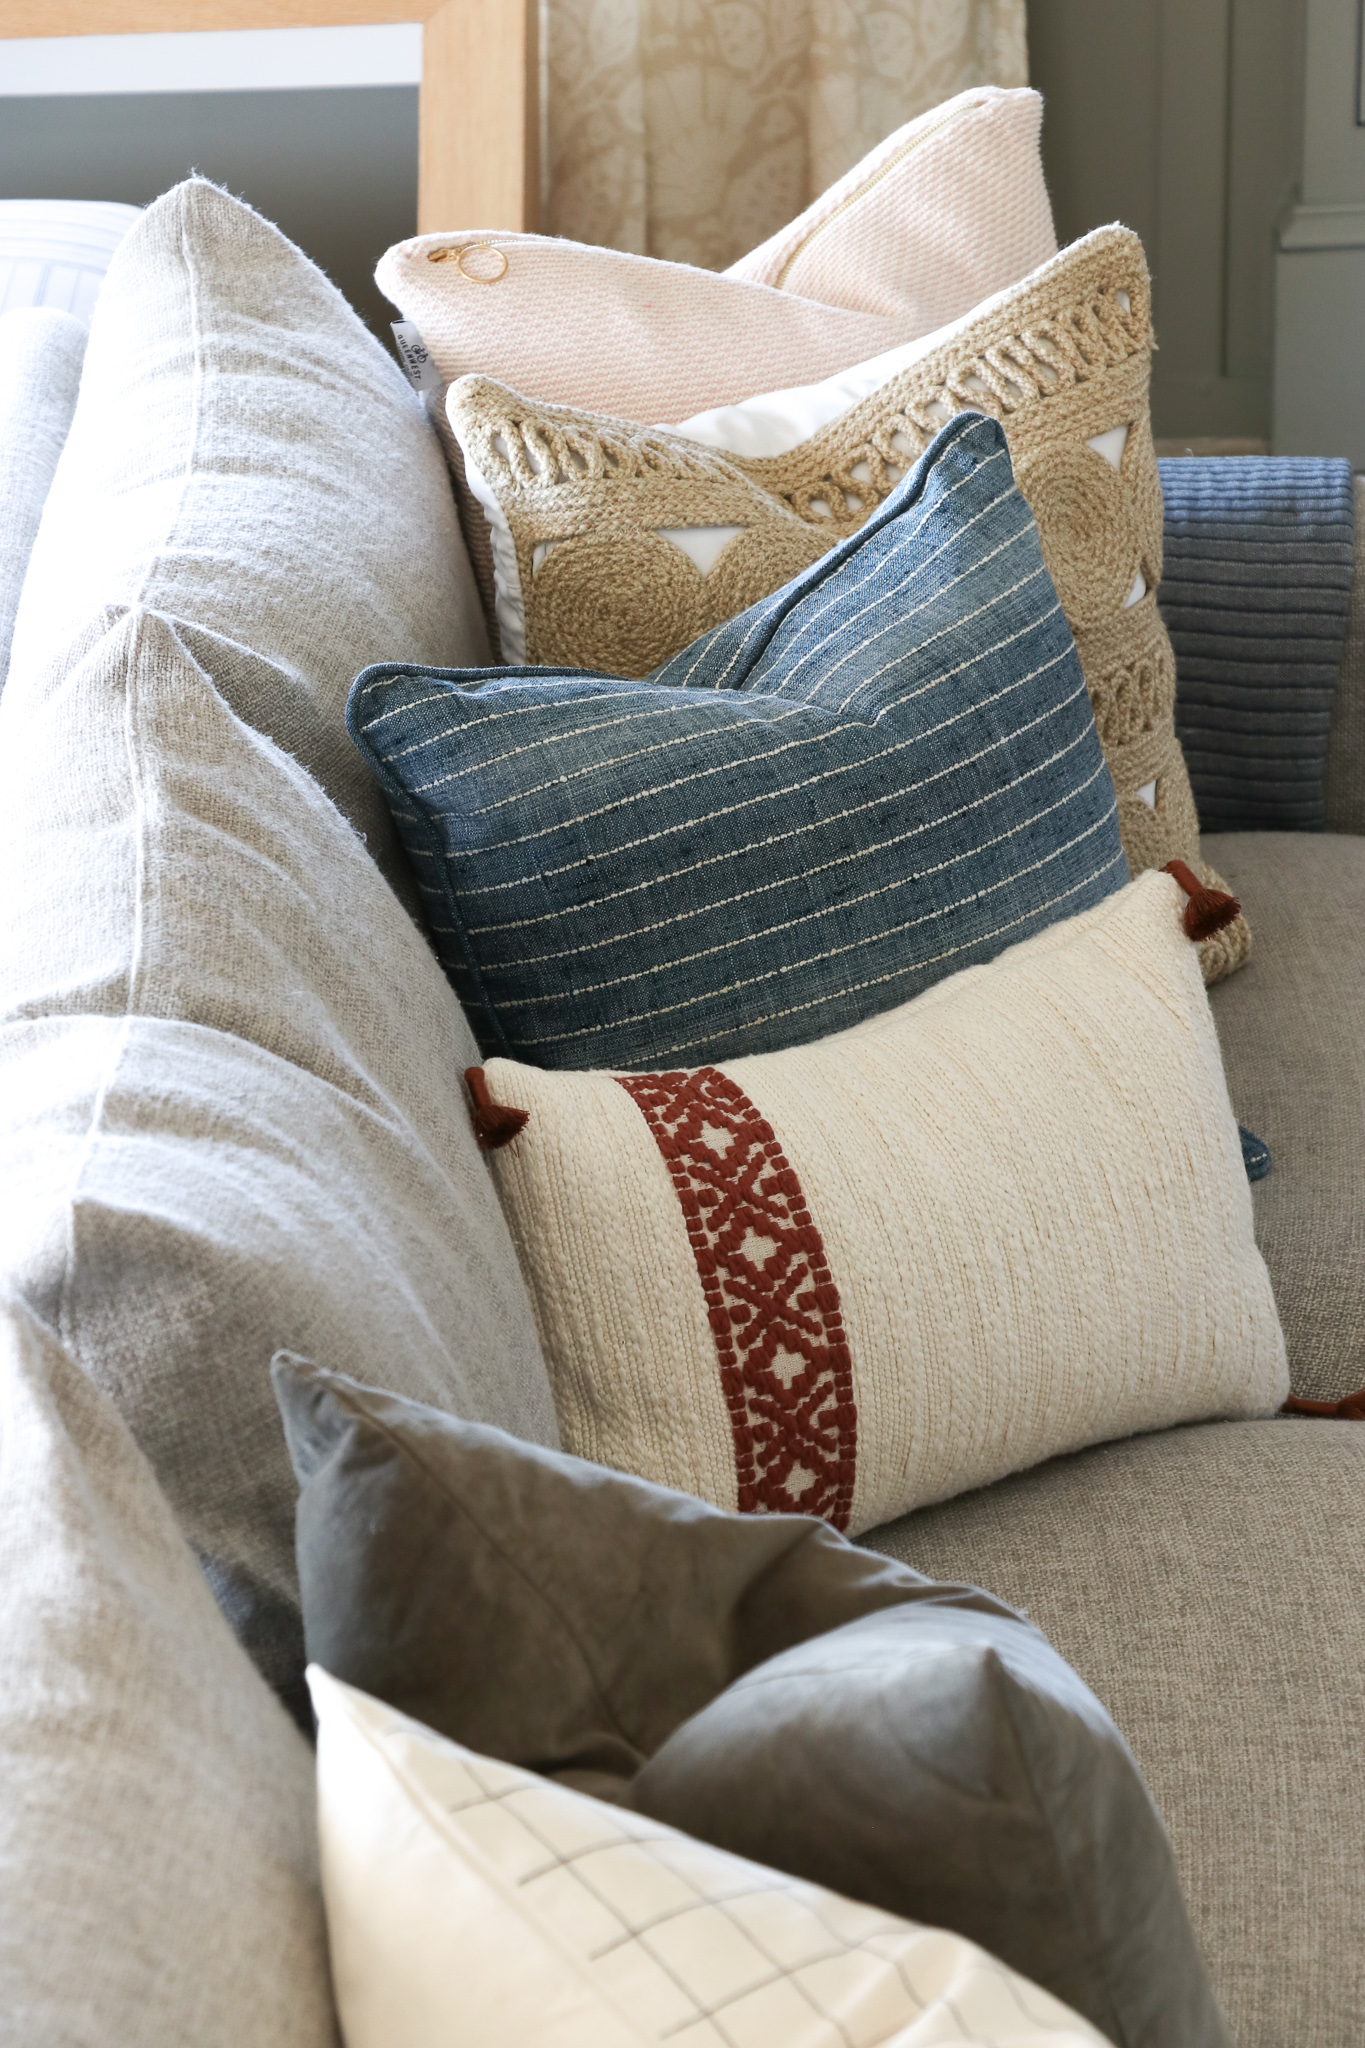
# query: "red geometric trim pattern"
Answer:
x=773 y=1305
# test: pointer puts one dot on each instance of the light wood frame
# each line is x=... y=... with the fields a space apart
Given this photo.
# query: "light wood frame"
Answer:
x=479 y=107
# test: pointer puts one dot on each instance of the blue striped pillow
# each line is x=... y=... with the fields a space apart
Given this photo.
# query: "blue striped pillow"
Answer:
x=885 y=772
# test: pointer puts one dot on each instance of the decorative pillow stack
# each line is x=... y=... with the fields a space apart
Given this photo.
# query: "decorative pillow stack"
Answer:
x=1005 y=1220
x=597 y=520
x=948 y=209
x=884 y=773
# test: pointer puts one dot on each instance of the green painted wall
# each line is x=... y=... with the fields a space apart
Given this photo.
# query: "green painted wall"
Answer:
x=1182 y=118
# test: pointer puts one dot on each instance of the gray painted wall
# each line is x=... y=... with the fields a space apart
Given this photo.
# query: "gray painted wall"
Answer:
x=1182 y=118
x=335 y=168
x=1320 y=271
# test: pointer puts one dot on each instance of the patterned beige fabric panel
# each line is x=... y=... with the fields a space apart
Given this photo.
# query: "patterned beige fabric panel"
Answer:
x=694 y=132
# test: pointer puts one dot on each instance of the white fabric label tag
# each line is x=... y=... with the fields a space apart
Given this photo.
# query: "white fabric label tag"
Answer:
x=415 y=357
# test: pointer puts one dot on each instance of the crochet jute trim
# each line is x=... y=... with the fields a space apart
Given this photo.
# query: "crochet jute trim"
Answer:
x=1060 y=359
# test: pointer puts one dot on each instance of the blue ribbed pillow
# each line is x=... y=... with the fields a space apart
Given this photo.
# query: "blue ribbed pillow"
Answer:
x=885 y=772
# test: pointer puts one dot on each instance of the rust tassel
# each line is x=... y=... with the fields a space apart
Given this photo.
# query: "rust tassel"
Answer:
x=1208 y=910
x=1351 y=1409
x=495 y=1123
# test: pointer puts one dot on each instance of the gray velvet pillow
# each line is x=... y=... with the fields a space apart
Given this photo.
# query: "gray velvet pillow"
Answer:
x=755 y=1680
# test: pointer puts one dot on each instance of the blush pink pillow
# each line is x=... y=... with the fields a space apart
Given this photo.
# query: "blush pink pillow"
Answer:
x=946 y=211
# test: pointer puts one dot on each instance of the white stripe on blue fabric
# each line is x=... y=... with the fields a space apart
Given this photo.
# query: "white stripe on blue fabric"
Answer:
x=887 y=770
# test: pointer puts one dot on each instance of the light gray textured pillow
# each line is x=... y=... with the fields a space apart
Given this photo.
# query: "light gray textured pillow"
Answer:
x=246 y=459
x=231 y=1111
x=40 y=371
x=157 y=1833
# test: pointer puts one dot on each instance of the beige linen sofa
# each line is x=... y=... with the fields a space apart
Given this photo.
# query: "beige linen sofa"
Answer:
x=231 y=1123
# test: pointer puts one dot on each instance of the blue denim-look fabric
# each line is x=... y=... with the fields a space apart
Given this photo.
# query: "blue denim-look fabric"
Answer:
x=884 y=772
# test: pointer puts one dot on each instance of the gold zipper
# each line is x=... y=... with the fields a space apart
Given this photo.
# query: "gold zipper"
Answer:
x=853 y=197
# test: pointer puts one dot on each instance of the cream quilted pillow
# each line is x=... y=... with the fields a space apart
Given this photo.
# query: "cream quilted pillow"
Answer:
x=474 y=1905
x=1005 y=1220
x=584 y=508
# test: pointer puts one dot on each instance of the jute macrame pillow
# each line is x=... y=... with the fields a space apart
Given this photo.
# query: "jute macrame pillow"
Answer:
x=1060 y=360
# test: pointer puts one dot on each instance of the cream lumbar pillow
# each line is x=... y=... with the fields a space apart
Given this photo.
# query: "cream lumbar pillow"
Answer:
x=1006 y=1220
x=471 y=1904
x=575 y=502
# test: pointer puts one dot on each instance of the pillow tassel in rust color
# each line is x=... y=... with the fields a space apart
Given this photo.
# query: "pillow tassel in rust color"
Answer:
x=495 y=1123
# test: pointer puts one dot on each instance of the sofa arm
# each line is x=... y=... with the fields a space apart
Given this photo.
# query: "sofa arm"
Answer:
x=1260 y=556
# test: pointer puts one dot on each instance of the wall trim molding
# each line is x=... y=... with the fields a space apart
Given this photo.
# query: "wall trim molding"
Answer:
x=1331 y=225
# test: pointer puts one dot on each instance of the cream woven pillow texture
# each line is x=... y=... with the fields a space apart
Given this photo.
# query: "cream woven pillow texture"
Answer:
x=1005 y=1220
x=949 y=208
x=1063 y=360
x=472 y=1903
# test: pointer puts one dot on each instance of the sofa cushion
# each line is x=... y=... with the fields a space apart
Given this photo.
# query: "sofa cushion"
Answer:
x=246 y=459
x=949 y=208
x=552 y=1920
x=232 y=1116
x=40 y=370
x=1293 y=1037
x=157 y=1832
x=1209 y=1584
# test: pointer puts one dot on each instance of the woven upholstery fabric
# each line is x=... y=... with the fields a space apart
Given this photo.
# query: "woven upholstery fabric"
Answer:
x=247 y=460
x=915 y=229
x=948 y=209
x=1345 y=771
x=820 y=1279
x=1209 y=1583
x=885 y=772
x=557 y=1919
x=1062 y=359
x=40 y=367
x=157 y=1834
x=1295 y=1059
x=228 y=1062
x=754 y=1680
x=229 y=1103
x=1259 y=562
